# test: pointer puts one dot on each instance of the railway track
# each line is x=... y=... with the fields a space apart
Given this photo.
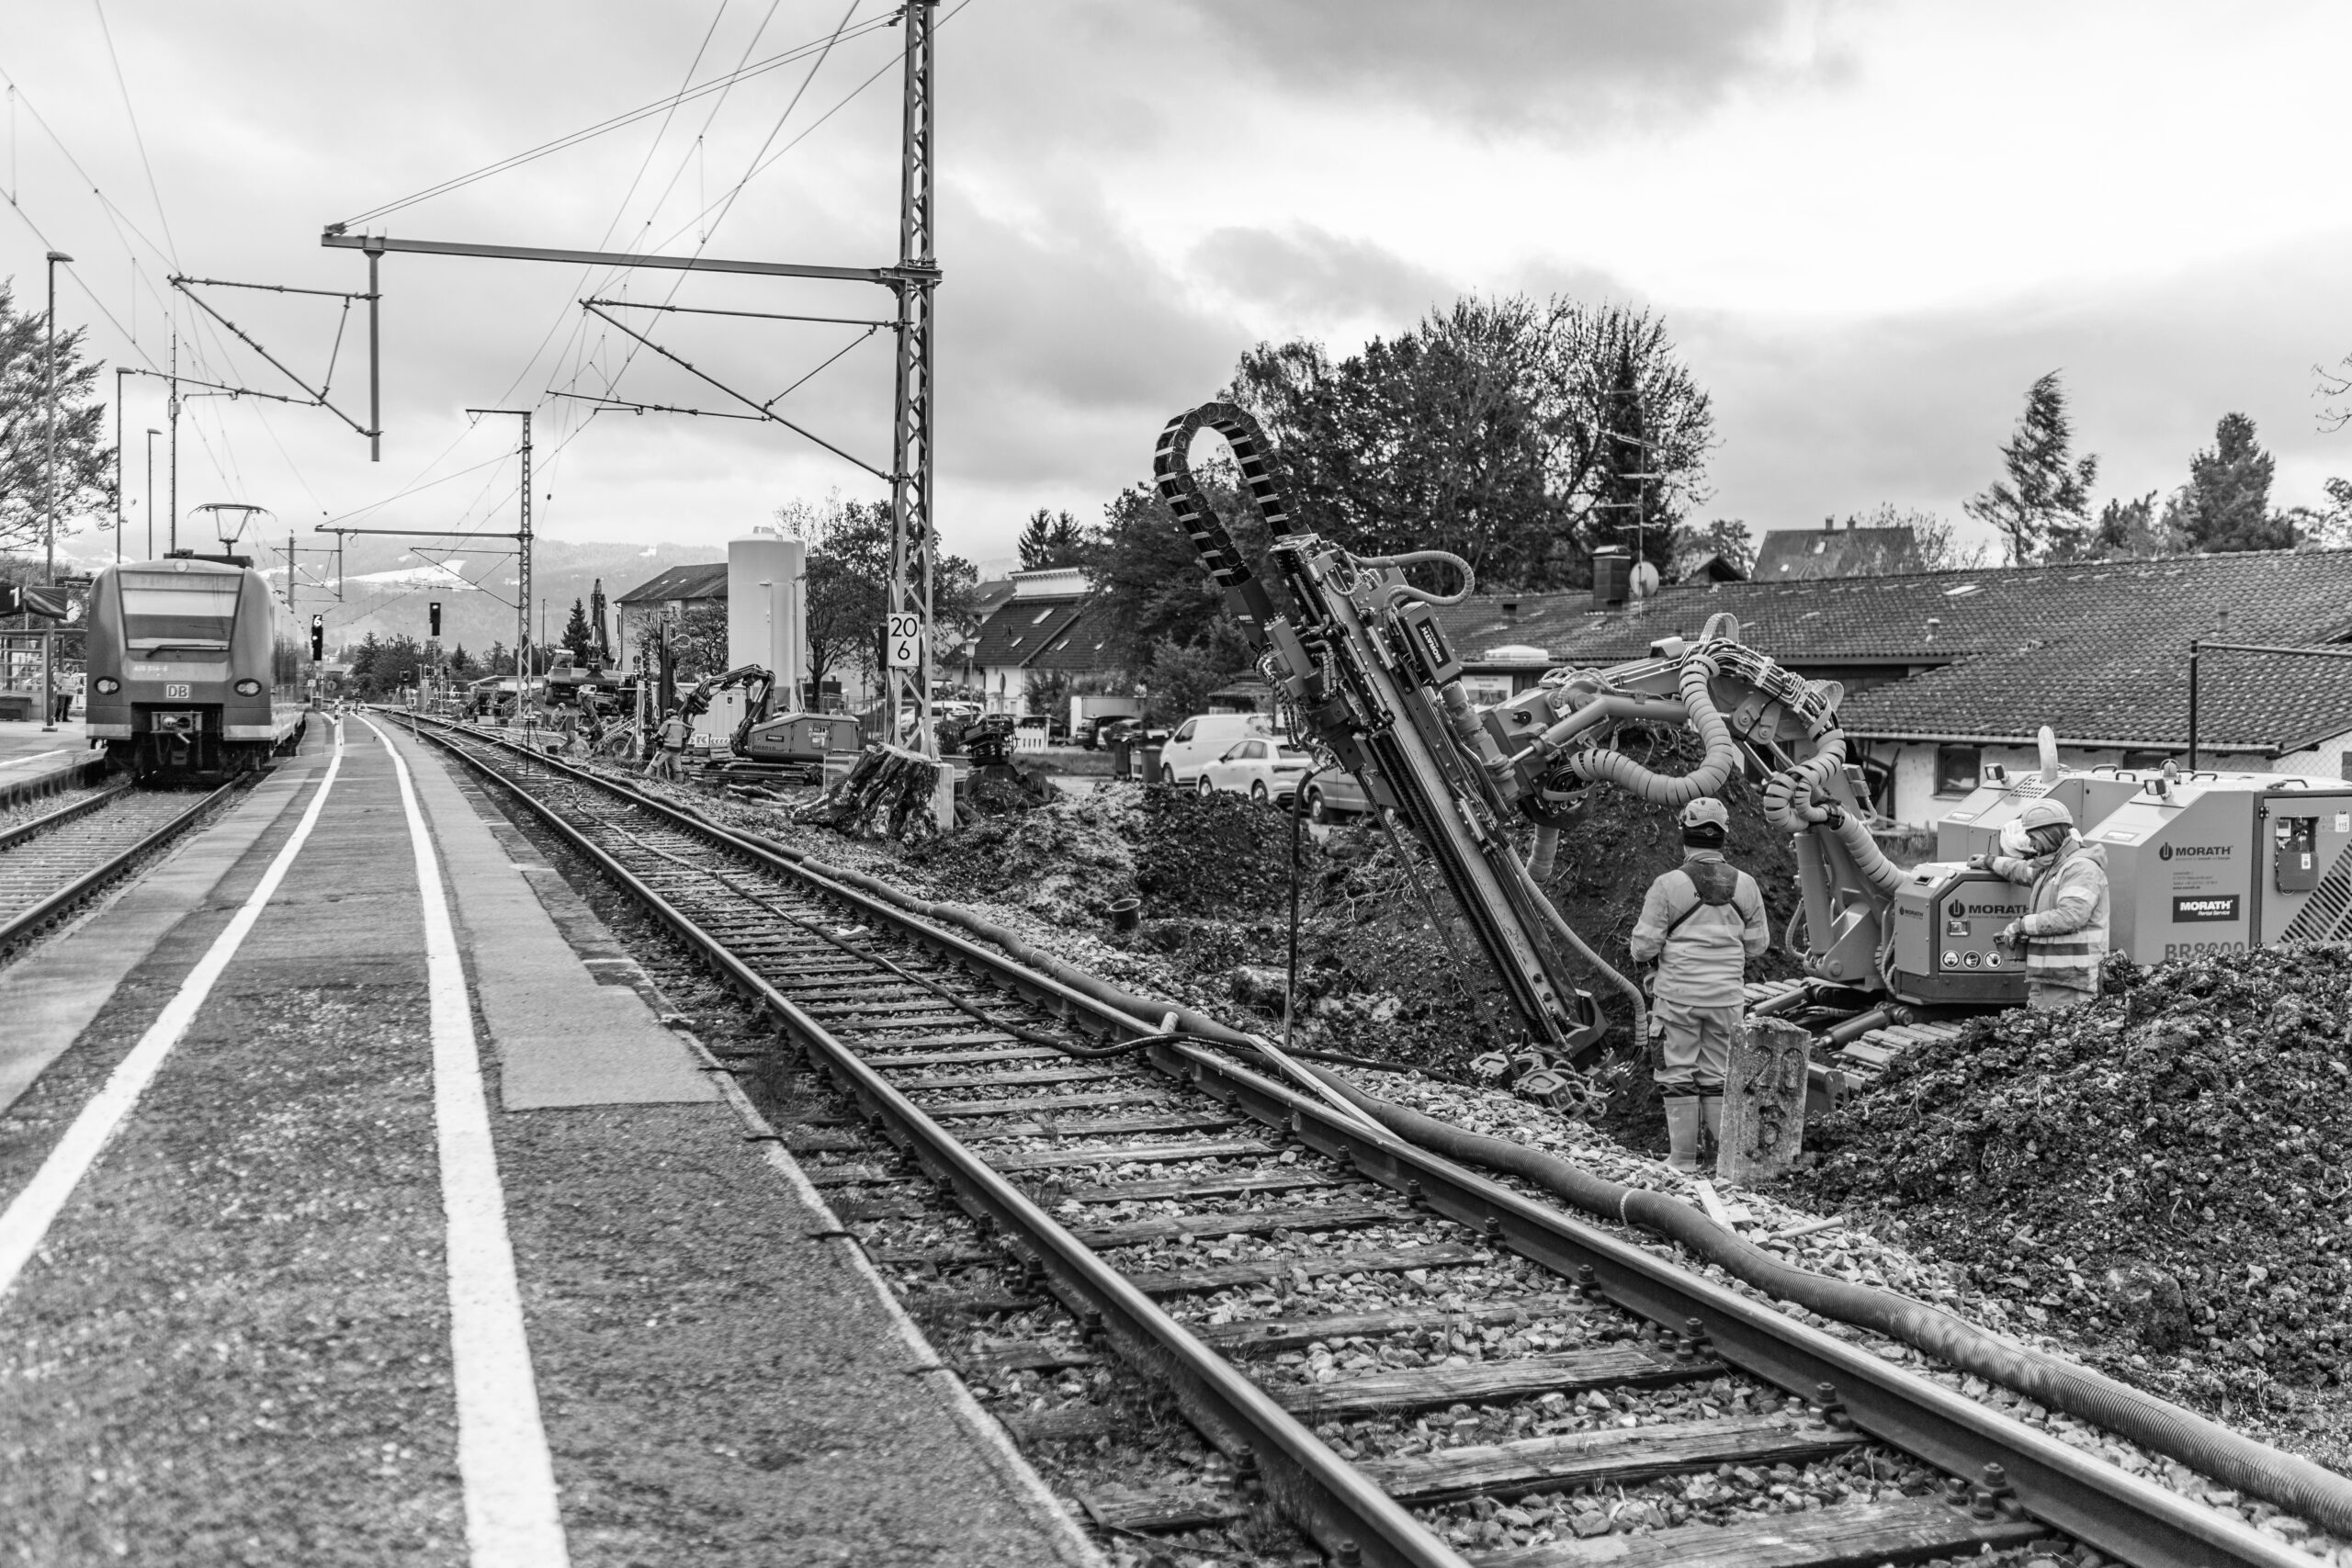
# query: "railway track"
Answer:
x=50 y=865
x=1404 y=1361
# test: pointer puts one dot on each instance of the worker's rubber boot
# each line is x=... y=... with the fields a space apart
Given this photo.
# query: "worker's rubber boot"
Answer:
x=1711 y=1126
x=1683 y=1133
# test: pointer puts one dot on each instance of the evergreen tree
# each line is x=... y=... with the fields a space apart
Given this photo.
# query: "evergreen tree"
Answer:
x=1051 y=539
x=2042 y=508
x=2227 y=503
x=576 y=635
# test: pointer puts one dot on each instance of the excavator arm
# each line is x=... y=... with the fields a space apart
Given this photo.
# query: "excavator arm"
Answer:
x=758 y=677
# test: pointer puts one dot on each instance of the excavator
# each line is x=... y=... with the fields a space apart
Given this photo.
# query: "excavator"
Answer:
x=767 y=744
x=1890 y=955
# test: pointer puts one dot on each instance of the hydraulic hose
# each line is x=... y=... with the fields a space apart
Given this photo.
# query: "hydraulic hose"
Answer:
x=2296 y=1485
x=1545 y=856
x=1789 y=807
x=1718 y=765
x=1414 y=557
x=1632 y=992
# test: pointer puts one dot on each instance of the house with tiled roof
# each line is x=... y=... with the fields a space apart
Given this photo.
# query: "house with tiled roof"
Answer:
x=1044 y=627
x=685 y=587
x=1946 y=671
x=1791 y=555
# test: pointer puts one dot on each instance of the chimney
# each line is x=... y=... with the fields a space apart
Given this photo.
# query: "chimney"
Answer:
x=1934 y=623
x=1849 y=525
x=1612 y=573
x=1829 y=524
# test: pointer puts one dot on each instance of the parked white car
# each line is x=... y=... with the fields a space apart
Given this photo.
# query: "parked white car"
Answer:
x=1263 y=769
x=1204 y=737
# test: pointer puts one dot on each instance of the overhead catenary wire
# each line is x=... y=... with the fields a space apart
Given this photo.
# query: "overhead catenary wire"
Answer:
x=630 y=117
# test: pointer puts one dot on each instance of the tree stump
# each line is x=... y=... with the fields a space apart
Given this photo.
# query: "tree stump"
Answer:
x=888 y=793
x=1763 y=1122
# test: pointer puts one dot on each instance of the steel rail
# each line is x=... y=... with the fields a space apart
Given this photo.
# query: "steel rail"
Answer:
x=2075 y=1493
x=1330 y=1498
x=58 y=817
x=34 y=916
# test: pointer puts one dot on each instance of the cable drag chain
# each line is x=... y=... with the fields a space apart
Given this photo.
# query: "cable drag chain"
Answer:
x=51 y=865
x=1408 y=1360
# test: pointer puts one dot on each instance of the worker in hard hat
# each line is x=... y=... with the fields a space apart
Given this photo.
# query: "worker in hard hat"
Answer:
x=1702 y=922
x=2064 y=936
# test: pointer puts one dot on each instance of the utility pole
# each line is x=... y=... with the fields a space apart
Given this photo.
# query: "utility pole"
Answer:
x=911 y=447
x=119 y=374
x=173 y=538
x=151 y=433
x=523 y=556
x=48 y=634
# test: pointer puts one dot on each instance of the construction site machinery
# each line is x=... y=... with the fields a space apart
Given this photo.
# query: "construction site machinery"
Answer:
x=767 y=744
x=1355 y=652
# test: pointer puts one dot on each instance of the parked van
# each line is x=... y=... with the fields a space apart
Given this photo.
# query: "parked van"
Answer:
x=1203 y=738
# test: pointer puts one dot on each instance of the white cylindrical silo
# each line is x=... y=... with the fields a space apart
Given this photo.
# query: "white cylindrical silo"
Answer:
x=766 y=608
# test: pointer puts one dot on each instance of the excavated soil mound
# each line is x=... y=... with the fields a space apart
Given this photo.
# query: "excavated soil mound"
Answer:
x=2166 y=1169
x=1182 y=853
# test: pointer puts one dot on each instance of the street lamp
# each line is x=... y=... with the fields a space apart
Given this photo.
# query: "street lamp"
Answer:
x=49 y=635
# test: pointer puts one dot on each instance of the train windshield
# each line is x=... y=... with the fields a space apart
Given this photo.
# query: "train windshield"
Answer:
x=186 y=611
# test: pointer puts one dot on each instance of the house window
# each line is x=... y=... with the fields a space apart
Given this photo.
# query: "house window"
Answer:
x=1041 y=617
x=1957 y=768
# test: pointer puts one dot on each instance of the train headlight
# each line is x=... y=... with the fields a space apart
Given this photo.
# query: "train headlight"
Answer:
x=249 y=687
x=107 y=685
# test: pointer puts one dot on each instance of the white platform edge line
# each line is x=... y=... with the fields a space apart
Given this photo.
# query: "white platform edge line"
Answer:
x=26 y=1221
x=513 y=1518
x=996 y=1444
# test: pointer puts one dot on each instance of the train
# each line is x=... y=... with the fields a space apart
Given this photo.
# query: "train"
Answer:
x=179 y=666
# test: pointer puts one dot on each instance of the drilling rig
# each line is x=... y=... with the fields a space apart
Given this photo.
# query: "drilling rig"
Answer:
x=1355 y=654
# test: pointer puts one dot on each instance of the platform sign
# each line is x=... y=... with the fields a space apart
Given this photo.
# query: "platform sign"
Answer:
x=902 y=638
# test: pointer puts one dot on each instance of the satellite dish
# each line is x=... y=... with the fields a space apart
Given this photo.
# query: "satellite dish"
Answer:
x=1645 y=582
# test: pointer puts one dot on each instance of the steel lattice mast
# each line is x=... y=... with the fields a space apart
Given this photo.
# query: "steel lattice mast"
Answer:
x=910 y=451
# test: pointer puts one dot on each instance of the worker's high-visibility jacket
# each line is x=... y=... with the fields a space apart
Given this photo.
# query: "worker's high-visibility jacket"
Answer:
x=2066 y=929
x=1702 y=940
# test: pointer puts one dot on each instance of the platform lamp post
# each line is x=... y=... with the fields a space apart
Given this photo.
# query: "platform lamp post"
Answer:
x=49 y=530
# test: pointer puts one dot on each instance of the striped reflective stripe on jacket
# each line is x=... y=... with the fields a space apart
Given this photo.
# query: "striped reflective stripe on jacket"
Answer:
x=2067 y=925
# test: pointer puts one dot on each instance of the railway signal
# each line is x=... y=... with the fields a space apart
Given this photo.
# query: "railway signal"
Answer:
x=317 y=637
x=432 y=617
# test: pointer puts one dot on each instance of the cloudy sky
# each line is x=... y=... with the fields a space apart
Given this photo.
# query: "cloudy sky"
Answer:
x=1869 y=227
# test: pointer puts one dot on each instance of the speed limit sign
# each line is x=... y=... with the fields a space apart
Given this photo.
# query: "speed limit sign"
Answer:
x=902 y=636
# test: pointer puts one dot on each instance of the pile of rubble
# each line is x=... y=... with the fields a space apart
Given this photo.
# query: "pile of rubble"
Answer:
x=2167 y=1171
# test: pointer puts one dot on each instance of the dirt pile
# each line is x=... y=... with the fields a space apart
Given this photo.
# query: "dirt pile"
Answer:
x=2164 y=1170
x=1184 y=854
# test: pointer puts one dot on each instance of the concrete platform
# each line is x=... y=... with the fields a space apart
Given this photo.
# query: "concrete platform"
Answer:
x=234 y=1341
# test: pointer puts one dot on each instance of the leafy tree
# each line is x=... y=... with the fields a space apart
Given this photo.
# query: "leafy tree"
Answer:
x=1725 y=537
x=2042 y=507
x=848 y=587
x=576 y=635
x=499 y=660
x=1147 y=580
x=1047 y=694
x=2227 y=503
x=2331 y=527
x=463 y=666
x=1180 y=677
x=2137 y=528
x=1517 y=435
x=1051 y=539
x=84 y=466
x=362 y=659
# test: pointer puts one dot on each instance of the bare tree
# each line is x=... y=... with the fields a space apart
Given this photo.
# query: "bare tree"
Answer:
x=2335 y=384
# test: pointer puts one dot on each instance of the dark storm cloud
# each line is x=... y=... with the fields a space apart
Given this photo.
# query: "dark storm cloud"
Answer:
x=1310 y=275
x=1065 y=345
x=1567 y=65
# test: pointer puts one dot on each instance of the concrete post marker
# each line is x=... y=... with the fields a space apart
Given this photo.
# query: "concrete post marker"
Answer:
x=1763 y=1125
